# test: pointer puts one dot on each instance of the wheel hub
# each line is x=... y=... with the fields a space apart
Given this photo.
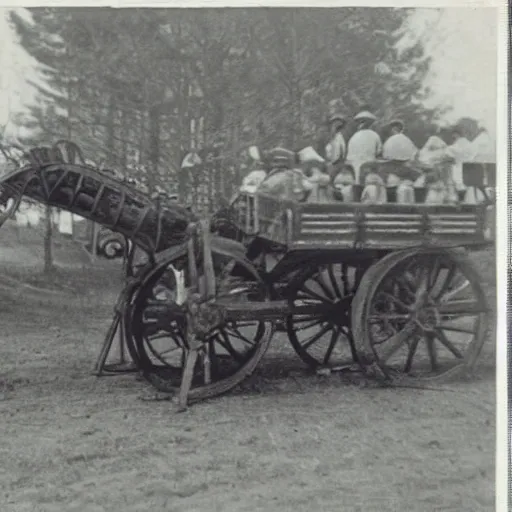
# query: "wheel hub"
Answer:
x=427 y=318
x=339 y=312
x=204 y=316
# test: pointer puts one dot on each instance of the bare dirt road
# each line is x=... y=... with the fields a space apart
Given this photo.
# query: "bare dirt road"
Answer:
x=287 y=440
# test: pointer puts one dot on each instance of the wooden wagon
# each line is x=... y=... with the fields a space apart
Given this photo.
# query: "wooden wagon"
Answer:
x=388 y=288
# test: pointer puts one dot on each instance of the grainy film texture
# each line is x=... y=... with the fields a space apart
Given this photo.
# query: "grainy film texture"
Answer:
x=280 y=221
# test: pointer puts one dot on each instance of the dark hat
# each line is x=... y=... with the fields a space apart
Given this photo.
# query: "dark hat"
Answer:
x=337 y=117
x=395 y=123
x=281 y=157
x=365 y=115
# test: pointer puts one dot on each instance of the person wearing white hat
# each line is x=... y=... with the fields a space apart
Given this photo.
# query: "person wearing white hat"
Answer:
x=461 y=151
x=484 y=148
x=315 y=169
x=433 y=152
x=436 y=180
x=254 y=169
x=365 y=145
x=253 y=180
x=400 y=149
x=336 y=148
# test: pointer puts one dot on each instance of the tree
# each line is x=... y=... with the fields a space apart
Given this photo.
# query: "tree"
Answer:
x=140 y=87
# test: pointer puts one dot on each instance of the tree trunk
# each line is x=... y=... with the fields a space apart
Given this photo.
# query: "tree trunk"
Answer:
x=111 y=149
x=69 y=131
x=48 y=253
x=124 y=142
x=154 y=146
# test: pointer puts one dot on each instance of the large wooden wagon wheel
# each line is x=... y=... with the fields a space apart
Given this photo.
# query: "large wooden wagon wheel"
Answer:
x=421 y=313
x=158 y=332
x=319 y=328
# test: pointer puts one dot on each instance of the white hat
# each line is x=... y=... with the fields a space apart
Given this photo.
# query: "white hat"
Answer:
x=309 y=155
x=254 y=153
x=365 y=115
x=191 y=160
x=434 y=143
x=252 y=181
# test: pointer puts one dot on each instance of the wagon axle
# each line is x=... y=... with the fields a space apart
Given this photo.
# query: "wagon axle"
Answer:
x=207 y=316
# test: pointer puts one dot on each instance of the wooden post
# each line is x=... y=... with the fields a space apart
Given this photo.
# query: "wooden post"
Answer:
x=208 y=292
x=94 y=247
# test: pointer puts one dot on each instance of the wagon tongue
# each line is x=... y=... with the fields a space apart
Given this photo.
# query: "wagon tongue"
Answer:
x=268 y=311
x=263 y=311
x=233 y=310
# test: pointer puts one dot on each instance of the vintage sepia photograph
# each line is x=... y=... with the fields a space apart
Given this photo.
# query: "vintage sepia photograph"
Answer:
x=247 y=259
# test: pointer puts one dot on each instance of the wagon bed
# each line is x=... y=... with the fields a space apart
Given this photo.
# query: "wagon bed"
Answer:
x=363 y=226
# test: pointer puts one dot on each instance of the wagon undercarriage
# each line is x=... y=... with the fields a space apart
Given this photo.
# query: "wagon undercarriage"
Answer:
x=380 y=290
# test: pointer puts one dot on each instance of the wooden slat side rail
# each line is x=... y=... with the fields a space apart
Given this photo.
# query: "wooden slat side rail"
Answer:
x=388 y=226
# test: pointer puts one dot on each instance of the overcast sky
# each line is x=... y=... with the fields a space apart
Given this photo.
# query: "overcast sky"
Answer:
x=461 y=41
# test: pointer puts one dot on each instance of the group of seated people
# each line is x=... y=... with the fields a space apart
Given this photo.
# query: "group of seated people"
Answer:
x=369 y=172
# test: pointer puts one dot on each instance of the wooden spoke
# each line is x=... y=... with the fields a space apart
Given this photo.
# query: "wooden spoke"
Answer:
x=432 y=351
x=441 y=336
x=312 y=323
x=237 y=334
x=435 y=270
x=465 y=285
x=346 y=285
x=334 y=338
x=334 y=283
x=395 y=300
x=160 y=356
x=403 y=285
x=447 y=281
x=395 y=343
x=411 y=353
x=455 y=329
x=320 y=280
x=463 y=307
x=223 y=340
x=317 y=336
x=377 y=318
x=310 y=293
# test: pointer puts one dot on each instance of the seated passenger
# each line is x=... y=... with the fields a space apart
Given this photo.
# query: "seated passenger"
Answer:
x=343 y=184
x=436 y=162
x=365 y=145
x=319 y=180
x=399 y=148
x=437 y=193
x=433 y=151
x=461 y=151
x=374 y=190
x=285 y=181
x=252 y=181
x=314 y=168
x=336 y=148
x=287 y=184
x=405 y=192
x=484 y=149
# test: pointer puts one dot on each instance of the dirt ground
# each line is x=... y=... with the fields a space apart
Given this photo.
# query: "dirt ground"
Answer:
x=287 y=440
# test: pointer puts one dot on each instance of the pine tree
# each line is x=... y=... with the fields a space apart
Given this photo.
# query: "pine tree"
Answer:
x=129 y=85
